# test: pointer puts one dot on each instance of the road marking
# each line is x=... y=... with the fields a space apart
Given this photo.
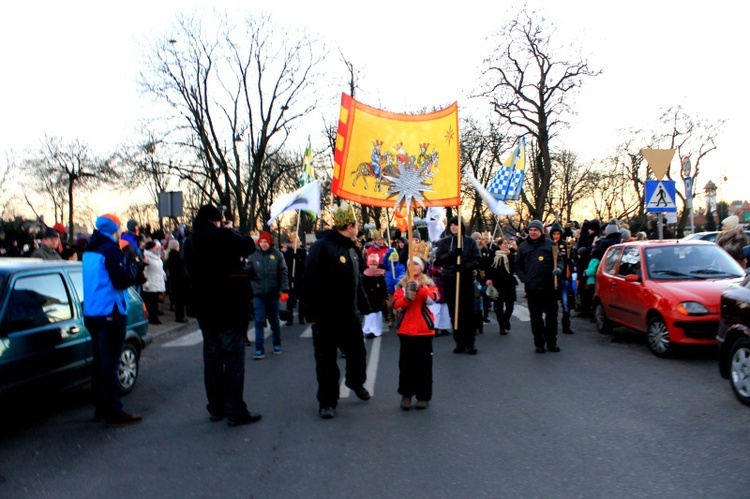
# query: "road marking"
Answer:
x=196 y=338
x=521 y=313
x=372 y=371
x=188 y=340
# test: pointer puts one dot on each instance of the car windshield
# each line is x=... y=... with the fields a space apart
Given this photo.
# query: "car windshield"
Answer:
x=687 y=261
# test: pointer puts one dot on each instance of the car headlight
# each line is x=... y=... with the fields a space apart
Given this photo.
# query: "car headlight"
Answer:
x=691 y=308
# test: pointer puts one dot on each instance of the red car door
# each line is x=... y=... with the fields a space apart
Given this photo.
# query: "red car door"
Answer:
x=605 y=281
x=627 y=290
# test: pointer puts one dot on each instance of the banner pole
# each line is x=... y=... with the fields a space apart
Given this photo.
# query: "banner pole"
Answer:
x=458 y=269
x=294 y=250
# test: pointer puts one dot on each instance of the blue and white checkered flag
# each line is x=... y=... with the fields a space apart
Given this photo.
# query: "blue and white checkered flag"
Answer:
x=507 y=183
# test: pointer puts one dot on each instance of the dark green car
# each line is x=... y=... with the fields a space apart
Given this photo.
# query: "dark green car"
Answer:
x=44 y=344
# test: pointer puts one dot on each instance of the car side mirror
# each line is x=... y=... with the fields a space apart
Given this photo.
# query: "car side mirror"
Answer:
x=632 y=278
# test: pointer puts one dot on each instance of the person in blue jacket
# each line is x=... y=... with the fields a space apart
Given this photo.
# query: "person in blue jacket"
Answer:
x=394 y=271
x=106 y=278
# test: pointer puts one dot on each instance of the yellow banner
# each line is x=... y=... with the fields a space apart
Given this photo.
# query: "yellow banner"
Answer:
x=382 y=158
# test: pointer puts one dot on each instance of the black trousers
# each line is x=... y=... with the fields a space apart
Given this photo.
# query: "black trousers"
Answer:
x=543 y=314
x=465 y=334
x=224 y=367
x=107 y=338
x=151 y=300
x=329 y=336
x=415 y=366
x=504 y=310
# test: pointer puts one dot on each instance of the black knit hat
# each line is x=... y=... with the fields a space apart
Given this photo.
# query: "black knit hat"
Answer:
x=209 y=212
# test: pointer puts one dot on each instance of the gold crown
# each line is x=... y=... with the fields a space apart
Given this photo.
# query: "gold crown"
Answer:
x=344 y=214
x=422 y=250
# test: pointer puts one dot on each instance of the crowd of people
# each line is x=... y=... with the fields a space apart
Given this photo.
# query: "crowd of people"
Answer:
x=350 y=286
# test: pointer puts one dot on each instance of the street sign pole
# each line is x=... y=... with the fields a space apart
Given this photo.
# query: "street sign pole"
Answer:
x=661 y=227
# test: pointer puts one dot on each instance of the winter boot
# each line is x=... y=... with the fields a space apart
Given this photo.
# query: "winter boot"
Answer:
x=566 y=323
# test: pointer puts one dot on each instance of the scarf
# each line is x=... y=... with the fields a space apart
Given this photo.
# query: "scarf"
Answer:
x=501 y=258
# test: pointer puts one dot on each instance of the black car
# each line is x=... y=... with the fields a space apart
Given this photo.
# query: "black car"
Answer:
x=44 y=344
x=733 y=338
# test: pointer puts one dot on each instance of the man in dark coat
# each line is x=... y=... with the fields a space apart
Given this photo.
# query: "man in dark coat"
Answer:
x=333 y=294
x=535 y=267
x=464 y=261
x=220 y=290
x=295 y=256
x=563 y=280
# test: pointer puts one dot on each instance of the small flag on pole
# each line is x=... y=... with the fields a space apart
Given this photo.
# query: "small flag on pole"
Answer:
x=507 y=183
x=308 y=172
x=496 y=206
x=305 y=198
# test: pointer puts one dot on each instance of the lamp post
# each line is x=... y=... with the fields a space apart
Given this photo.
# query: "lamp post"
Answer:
x=710 y=189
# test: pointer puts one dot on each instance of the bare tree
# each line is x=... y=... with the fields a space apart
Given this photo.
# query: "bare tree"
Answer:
x=571 y=182
x=693 y=137
x=248 y=85
x=71 y=165
x=481 y=149
x=529 y=89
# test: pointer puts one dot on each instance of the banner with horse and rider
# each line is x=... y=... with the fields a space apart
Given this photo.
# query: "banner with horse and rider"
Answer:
x=379 y=152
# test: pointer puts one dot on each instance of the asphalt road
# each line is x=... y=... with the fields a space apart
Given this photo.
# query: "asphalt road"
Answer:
x=602 y=418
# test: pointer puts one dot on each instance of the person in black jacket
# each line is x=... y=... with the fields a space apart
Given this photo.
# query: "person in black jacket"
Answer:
x=447 y=256
x=220 y=290
x=500 y=275
x=536 y=268
x=295 y=256
x=333 y=294
x=177 y=278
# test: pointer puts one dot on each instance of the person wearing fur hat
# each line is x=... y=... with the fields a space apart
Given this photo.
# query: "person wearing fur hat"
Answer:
x=563 y=280
x=536 y=268
x=415 y=327
x=611 y=237
x=220 y=295
x=459 y=264
x=270 y=279
x=377 y=295
x=334 y=294
x=733 y=239
x=106 y=279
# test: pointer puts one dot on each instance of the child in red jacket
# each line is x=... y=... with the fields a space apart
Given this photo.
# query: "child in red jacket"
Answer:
x=415 y=327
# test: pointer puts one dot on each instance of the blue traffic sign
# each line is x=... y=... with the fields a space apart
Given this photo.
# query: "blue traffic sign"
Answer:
x=660 y=196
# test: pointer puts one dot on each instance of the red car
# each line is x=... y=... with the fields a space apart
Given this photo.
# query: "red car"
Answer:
x=669 y=290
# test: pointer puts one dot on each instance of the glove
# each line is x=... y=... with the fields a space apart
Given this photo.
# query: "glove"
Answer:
x=411 y=290
x=284 y=297
x=556 y=271
x=455 y=252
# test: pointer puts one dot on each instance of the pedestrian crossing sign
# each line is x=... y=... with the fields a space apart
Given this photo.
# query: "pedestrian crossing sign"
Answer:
x=660 y=196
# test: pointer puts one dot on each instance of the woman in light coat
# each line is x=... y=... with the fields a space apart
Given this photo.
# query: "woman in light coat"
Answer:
x=155 y=283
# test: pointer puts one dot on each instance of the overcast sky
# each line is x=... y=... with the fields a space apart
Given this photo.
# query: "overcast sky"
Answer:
x=70 y=68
